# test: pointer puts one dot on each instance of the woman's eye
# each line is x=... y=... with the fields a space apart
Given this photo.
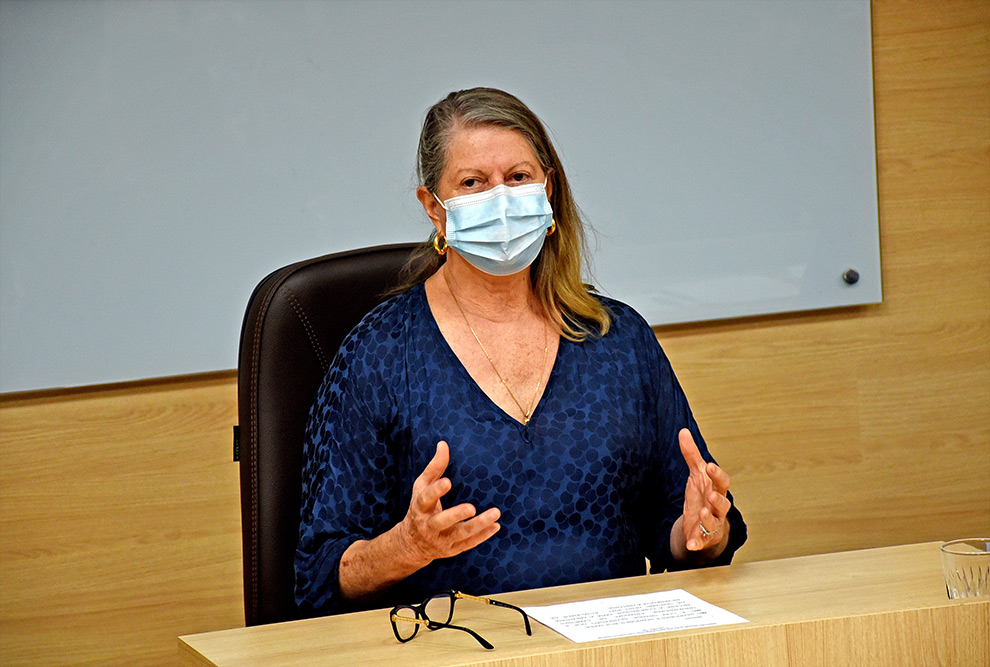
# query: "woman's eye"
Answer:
x=520 y=177
x=470 y=182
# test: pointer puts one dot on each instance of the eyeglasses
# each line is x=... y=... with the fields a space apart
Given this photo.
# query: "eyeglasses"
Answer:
x=436 y=612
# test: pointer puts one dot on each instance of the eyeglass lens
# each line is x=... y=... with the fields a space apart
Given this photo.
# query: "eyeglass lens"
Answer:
x=405 y=630
x=440 y=608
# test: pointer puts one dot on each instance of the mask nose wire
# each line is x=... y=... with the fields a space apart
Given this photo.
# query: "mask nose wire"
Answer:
x=545 y=180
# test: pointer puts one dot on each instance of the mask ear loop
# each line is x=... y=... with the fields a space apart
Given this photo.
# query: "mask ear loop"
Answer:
x=438 y=201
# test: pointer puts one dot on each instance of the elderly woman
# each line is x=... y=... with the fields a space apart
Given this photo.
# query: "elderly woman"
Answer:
x=497 y=426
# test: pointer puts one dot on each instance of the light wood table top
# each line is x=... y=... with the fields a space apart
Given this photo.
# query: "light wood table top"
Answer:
x=876 y=606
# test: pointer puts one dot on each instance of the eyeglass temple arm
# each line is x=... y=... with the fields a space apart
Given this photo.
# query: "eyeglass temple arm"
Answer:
x=481 y=640
x=433 y=625
x=529 y=630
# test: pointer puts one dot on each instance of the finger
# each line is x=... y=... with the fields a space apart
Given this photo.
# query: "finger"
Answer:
x=707 y=519
x=434 y=469
x=720 y=478
x=465 y=529
x=448 y=519
x=470 y=534
x=718 y=504
x=689 y=451
x=694 y=538
x=696 y=542
x=427 y=500
x=476 y=539
x=712 y=531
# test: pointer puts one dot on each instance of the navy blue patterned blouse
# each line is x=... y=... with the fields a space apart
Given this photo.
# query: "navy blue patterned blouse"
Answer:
x=587 y=489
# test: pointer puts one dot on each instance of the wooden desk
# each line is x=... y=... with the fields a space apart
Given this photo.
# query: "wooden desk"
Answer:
x=883 y=606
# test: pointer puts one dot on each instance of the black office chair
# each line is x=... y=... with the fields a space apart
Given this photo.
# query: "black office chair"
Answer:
x=295 y=321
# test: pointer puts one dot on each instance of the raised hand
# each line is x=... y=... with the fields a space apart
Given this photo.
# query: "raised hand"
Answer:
x=430 y=531
x=427 y=532
x=705 y=502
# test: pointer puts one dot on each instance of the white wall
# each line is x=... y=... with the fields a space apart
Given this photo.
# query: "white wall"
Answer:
x=157 y=159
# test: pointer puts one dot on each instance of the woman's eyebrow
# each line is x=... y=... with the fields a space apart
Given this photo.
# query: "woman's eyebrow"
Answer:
x=465 y=171
x=468 y=170
x=524 y=163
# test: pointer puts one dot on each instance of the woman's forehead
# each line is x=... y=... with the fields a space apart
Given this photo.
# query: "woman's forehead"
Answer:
x=488 y=146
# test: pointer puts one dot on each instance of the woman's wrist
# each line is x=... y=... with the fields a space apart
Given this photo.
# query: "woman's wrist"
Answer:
x=405 y=548
x=370 y=567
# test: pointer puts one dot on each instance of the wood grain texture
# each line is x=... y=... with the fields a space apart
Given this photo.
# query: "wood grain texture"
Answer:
x=119 y=523
x=872 y=607
x=842 y=429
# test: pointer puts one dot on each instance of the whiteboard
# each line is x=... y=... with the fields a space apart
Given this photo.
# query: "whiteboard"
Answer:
x=157 y=159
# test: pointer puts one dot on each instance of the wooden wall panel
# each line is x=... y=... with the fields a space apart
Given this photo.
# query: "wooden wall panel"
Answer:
x=119 y=525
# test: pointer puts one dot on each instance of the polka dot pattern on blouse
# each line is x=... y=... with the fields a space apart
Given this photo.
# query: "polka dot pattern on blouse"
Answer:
x=587 y=490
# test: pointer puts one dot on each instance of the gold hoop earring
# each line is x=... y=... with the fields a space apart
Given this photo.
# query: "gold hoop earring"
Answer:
x=553 y=227
x=436 y=244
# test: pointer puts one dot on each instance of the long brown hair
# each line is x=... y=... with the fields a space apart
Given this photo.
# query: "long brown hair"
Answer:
x=556 y=272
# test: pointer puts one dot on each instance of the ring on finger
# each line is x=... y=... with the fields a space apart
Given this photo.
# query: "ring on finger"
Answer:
x=708 y=533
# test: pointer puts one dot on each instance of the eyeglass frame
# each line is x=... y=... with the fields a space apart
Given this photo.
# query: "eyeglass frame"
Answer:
x=422 y=619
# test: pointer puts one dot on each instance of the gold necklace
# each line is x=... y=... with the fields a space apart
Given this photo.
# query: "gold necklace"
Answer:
x=527 y=414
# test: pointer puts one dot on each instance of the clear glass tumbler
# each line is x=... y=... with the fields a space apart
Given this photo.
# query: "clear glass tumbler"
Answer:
x=966 y=567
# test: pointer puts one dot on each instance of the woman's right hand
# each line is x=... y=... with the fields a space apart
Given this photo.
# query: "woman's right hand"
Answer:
x=428 y=530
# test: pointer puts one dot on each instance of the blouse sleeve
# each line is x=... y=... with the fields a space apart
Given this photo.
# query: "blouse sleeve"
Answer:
x=348 y=472
x=670 y=470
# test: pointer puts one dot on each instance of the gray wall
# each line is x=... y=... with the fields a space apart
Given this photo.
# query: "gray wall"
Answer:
x=157 y=159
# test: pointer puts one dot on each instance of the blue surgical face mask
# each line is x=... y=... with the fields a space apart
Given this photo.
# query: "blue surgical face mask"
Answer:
x=499 y=231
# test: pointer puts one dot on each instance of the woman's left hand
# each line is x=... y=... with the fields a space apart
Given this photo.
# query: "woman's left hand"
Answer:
x=703 y=522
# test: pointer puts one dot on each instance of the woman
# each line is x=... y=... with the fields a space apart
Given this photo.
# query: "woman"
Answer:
x=497 y=426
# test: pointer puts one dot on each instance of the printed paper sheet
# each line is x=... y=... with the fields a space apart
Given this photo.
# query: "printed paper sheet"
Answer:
x=609 y=618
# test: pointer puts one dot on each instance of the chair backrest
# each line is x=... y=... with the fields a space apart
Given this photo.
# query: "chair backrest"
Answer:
x=295 y=321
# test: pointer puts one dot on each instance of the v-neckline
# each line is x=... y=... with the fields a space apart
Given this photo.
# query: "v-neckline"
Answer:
x=438 y=334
